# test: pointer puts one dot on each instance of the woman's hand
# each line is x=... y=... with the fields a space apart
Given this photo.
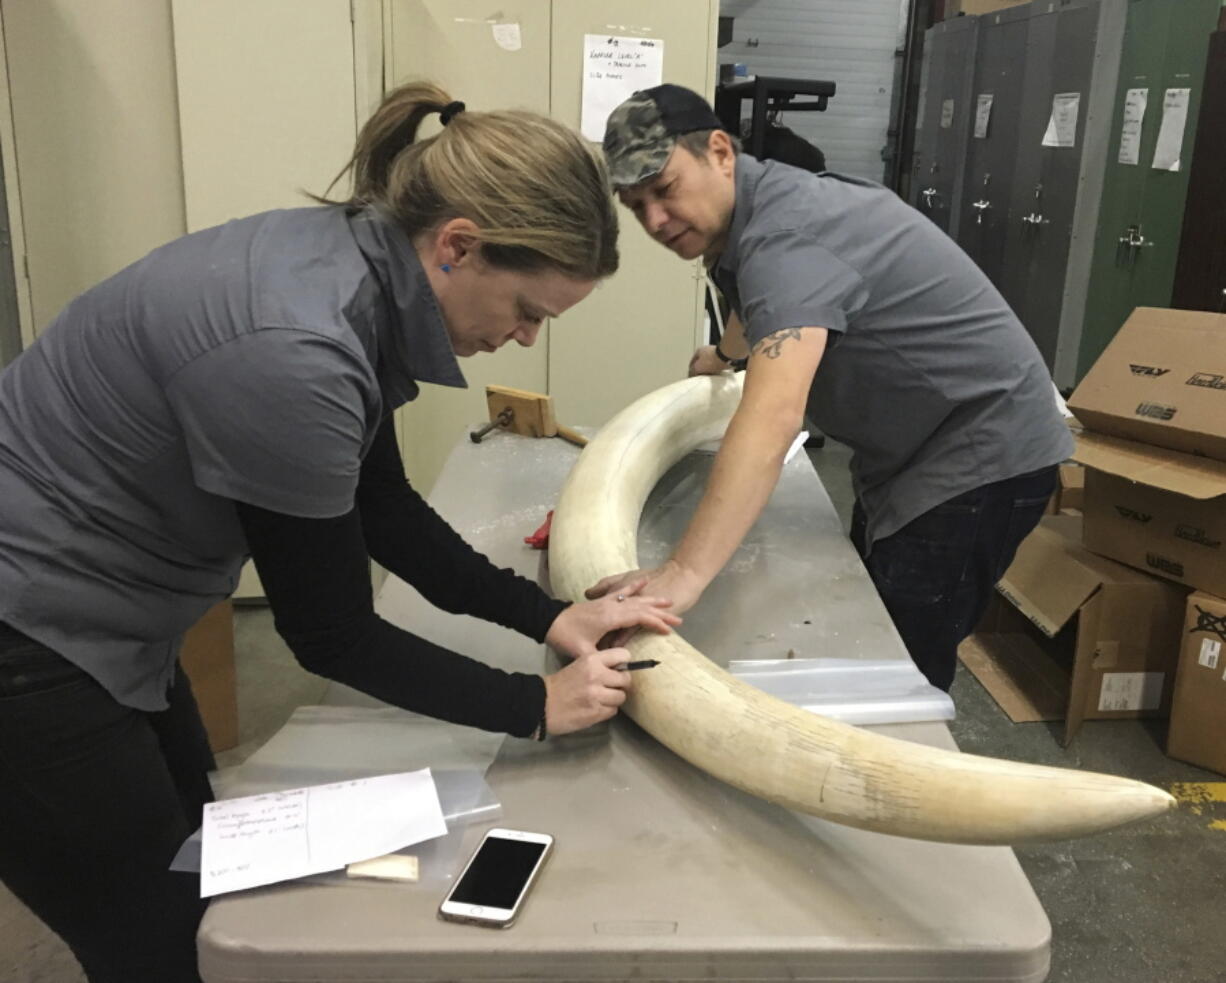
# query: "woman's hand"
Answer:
x=579 y=629
x=706 y=362
x=586 y=692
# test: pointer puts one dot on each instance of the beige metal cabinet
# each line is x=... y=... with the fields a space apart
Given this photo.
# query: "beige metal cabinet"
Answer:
x=453 y=43
x=637 y=330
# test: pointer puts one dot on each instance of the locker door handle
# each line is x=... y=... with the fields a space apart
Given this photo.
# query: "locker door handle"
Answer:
x=929 y=194
x=980 y=206
x=1130 y=242
x=1034 y=219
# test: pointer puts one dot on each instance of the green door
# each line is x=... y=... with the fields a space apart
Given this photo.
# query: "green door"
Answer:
x=1137 y=239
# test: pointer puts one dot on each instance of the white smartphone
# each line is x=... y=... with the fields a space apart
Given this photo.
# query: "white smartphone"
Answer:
x=491 y=889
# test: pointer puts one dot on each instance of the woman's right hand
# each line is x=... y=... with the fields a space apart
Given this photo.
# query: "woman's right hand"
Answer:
x=586 y=692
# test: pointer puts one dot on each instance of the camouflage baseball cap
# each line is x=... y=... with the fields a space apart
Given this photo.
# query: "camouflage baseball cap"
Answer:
x=642 y=131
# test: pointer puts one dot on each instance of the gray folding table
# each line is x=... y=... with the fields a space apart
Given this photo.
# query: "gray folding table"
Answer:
x=659 y=871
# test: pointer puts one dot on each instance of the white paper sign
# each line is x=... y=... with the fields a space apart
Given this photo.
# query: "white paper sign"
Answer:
x=1170 y=133
x=1062 y=126
x=1130 y=134
x=262 y=839
x=614 y=69
x=1209 y=649
x=983 y=114
x=507 y=37
x=1130 y=691
x=947 y=114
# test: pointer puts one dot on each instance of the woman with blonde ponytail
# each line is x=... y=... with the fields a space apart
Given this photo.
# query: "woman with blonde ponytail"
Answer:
x=227 y=396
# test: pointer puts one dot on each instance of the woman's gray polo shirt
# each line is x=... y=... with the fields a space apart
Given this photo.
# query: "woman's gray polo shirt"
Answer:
x=928 y=376
x=253 y=361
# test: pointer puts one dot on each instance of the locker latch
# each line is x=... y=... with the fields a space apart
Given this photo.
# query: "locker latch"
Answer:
x=930 y=196
x=1130 y=243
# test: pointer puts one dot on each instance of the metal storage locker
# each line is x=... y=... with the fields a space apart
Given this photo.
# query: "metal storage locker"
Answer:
x=944 y=122
x=1053 y=126
x=1138 y=229
x=1200 y=277
x=992 y=147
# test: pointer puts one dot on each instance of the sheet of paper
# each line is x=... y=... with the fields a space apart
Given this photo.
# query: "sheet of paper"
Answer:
x=1062 y=126
x=615 y=68
x=1170 y=133
x=947 y=114
x=508 y=37
x=262 y=839
x=1135 y=102
x=983 y=114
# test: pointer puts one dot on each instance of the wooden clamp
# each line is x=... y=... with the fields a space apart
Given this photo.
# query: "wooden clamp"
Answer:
x=525 y=413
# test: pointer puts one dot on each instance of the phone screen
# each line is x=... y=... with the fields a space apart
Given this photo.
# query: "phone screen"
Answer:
x=498 y=873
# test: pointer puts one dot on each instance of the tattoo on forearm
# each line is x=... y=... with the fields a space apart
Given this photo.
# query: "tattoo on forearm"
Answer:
x=772 y=345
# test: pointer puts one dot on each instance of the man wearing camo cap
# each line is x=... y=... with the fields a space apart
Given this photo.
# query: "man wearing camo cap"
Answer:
x=853 y=308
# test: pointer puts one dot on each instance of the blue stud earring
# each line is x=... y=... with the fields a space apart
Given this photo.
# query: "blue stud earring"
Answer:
x=446 y=267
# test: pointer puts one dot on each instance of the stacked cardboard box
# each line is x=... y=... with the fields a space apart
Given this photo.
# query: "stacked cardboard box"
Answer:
x=1109 y=638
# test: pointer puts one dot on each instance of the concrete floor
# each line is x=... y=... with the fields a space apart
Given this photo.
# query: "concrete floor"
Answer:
x=1141 y=905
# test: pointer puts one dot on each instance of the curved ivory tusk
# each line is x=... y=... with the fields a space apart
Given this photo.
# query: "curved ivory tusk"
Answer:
x=761 y=744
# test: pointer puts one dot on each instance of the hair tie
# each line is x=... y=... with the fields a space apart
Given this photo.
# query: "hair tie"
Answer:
x=451 y=111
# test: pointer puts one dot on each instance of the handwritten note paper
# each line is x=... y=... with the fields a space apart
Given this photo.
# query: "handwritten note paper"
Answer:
x=262 y=839
x=1135 y=102
x=613 y=70
x=1170 y=133
x=1062 y=125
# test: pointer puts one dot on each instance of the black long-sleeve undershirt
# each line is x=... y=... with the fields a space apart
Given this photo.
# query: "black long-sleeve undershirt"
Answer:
x=316 y=576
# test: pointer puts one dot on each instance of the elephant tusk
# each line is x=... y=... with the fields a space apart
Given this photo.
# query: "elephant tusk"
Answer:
x=770 y=748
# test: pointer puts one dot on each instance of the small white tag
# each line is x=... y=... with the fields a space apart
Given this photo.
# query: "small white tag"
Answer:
x=508 y=37
x=1209 y=649
x=797 y=444
x=1130 y=691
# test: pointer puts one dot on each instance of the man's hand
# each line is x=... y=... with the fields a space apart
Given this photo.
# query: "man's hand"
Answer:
x=579 y=629
x=586 y=692
x=669 y=582
x=706 y=362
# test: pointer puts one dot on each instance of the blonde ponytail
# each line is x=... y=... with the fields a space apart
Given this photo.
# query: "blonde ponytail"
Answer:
x=538 y=194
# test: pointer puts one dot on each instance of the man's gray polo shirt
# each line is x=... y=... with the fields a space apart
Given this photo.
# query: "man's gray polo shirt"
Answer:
x=252 y=361
x=928 y=376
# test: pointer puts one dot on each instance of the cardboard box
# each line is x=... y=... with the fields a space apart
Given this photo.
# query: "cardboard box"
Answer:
x=1154 y=445
x=1161 y=381
x=1198 y=711
x=954 y=8
x=1157 y=529
x=1076 y=636
x=1069 y=493
x=207 y=657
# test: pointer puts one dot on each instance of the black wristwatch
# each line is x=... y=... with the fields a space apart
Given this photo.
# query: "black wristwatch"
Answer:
x=736 y=364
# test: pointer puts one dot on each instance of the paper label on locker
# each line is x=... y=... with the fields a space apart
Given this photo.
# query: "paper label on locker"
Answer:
x=1170 y=133
x=947 y=114
x=983 y=114
x=1209 y=649
x=614 y=68
x=1135 y=102
x=1062 y=126
x=507 y=37
x=1130 y=691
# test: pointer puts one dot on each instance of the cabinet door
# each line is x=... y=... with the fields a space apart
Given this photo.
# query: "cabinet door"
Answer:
x=636 y=332
x=948 y=116
x=1200 y=278
x=1022 y=232
x=261 y=122
x=1138 y=230
x=1060 y=60
x=454 y=43
x=992 y=150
